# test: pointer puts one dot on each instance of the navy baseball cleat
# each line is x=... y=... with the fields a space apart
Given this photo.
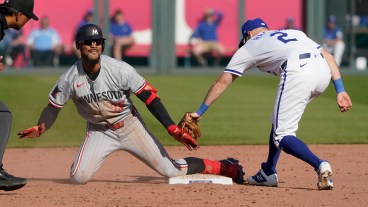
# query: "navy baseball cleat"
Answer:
x=262 y=179
x=230 y=168
x=9 y=182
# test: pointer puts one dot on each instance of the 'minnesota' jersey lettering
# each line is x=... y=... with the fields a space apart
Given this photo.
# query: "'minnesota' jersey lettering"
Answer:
x=104 y=96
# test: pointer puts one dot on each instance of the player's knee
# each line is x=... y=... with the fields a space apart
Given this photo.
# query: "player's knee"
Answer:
x=80 y=178
x=179 y=168
x=277 y=140
x=167 y=172
x=287 y=143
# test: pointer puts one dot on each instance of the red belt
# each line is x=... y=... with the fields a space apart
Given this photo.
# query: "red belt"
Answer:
x=117 y=125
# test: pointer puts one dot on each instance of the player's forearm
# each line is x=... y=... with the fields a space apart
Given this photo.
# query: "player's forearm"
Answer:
x=49 y=116
x=335 y=72
x=154 y=105
x=217 y=88
x=214 y=93
x=159 y=111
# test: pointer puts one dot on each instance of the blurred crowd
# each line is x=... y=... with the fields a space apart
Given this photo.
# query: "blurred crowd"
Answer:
x=43 y=45
x=204 y=41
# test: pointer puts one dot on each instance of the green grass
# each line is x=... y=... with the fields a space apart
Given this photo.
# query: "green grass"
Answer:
x=240 y=116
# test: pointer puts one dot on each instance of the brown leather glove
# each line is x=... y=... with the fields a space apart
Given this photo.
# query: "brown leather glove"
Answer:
x=190 y=125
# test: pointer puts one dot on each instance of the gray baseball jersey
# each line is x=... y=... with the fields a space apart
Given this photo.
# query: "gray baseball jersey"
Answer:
x=297 y=60
x=105 y=100
x=103 y=103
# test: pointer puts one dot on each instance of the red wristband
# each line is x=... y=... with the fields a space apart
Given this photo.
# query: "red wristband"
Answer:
x=171 y=129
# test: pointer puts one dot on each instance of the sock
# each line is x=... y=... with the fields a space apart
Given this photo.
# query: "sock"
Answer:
x=269 y=167
x=294 y=146
x=195 y=165
x=211 y=167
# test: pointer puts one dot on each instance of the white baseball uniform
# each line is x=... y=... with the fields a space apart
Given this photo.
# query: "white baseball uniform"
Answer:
x=112 y=121
x=296 y=59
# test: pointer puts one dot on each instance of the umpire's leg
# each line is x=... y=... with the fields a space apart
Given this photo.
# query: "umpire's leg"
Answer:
x=5 y=126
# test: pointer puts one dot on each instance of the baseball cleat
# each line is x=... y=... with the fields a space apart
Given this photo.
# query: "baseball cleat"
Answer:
x=324 y=176
x=262 y=179
x=230 y=168
x=9 y=182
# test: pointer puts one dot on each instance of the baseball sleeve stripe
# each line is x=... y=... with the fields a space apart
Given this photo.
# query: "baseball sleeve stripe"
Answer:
x=233 y=72
x=141 y=88
x=54 y=104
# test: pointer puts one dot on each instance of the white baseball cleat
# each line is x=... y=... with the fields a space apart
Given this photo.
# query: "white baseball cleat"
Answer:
x=324 y=176
x=262 y=179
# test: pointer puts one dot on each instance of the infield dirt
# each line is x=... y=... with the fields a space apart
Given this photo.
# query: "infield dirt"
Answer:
x=123 y=180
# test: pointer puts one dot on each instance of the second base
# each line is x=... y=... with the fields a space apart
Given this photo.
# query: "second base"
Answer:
x=200 y=178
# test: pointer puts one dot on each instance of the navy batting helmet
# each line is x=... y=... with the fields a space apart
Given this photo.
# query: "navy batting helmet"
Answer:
x=89 y=32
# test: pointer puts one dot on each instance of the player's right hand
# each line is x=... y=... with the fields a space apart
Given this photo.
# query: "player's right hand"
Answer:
x=343 y=101
x=183 y=137
x=32 y=132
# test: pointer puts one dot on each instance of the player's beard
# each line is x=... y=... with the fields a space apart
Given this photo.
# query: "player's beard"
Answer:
x=91 y=60
x=94 y=61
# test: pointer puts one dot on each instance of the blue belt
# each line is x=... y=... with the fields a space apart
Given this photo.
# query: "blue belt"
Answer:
x=304 y=56
x=307 y=55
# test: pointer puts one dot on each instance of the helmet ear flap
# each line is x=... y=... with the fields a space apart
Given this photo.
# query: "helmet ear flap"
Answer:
x=77 y=44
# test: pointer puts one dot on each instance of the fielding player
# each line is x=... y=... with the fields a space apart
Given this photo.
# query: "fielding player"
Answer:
x=305 y=70
x=100 y=88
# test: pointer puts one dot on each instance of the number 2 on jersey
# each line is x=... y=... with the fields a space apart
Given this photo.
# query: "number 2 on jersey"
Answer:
x=282 y=37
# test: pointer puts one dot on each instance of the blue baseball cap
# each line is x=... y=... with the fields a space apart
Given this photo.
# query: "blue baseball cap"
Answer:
x=290 y=20
x=251 y=25
x=332 y=19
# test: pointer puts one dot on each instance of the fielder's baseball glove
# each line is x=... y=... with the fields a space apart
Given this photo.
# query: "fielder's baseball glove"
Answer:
x=190 y=125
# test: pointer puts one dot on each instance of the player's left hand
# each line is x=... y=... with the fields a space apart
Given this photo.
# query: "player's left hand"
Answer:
x=195 y=116
x=32 y=132
x=183 y=137
x=343 y=101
